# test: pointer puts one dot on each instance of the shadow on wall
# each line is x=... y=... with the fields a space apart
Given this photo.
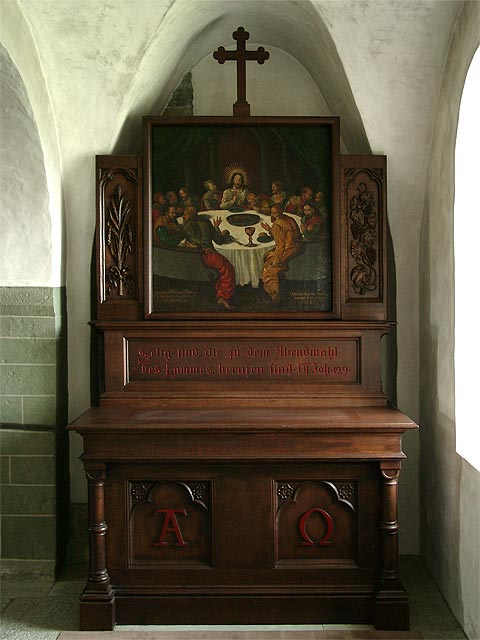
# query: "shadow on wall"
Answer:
x=440 y=467
x=390 y=383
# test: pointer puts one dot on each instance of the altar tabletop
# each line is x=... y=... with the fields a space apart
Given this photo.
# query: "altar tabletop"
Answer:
x=127 y=417
x=220 y=435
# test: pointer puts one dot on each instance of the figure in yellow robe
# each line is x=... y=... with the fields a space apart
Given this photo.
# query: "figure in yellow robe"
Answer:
x=286 y=233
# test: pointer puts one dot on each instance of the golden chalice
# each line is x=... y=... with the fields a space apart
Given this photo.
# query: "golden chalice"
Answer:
x=250 y=231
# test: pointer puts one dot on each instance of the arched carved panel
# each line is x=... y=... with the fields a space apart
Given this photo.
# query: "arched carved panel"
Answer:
x=170 y=523
x=316 y=522
x=119 y=227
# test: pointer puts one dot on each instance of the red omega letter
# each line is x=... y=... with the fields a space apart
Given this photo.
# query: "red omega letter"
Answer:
x=307 y=541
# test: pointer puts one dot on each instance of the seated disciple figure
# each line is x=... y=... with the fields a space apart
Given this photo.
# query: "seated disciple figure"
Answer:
x=212 y=196
x=286 y=234
x=292 y=205
x=200 y=233
x=320 y=205
x=167 y=231
x=187 y=199
x=235 y=196
x=158 y=206
x=313 y=224
x=253 y=202
x=264 y=203
x=171 y=198
x=279 y=197
x=306 y=196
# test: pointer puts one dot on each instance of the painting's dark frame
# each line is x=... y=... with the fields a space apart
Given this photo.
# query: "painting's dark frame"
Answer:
x=332 y=123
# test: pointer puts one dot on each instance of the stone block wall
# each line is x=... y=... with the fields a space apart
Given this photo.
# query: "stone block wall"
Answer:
x=33 y=443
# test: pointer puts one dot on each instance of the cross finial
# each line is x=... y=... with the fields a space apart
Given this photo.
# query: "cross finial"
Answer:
x=241 y=55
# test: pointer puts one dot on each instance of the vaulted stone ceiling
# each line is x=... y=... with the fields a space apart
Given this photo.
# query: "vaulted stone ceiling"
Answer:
x=119 y=58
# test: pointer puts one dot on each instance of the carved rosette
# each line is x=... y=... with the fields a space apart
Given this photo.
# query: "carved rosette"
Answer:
x=139 y=491
x=345 y=491
x=285 y=491
x=198 y=491
x=363 y=208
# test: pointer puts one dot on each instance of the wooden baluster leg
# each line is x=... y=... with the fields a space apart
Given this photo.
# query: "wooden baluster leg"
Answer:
x=391 y=605
x=97 y=602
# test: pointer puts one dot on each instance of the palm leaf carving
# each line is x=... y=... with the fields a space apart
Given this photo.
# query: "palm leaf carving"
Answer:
x=119 y=240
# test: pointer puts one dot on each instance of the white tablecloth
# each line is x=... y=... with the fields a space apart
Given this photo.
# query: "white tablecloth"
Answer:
x=248 y=261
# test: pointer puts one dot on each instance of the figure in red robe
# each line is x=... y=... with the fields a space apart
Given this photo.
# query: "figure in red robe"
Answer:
x=200 y=233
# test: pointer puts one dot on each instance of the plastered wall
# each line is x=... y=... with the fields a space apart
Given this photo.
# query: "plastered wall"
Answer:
x=92 y=73
x=450 y=486
x=26 y=239
x=34 y=472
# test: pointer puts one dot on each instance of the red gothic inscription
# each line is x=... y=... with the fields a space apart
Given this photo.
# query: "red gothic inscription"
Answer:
x=324 y=360
x=307 y=541
x=170 y=525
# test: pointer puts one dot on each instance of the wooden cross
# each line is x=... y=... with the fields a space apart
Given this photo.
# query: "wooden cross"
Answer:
x=241 y=55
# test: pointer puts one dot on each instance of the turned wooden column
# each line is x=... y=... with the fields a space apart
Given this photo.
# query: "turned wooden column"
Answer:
x=97 y=610
x=389 y=524
x=391 y=606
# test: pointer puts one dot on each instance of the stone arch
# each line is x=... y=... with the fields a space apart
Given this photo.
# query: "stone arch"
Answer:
x=17 y=40
x=209 y=24
x=33 y=303
x=27 y=241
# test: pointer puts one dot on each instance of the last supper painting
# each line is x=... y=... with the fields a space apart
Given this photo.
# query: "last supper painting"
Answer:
x=241 y=219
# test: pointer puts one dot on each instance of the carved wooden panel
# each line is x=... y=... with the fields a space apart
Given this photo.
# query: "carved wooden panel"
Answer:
x=364 y=225
x=169 y=523
x=316 y=522
x=301 y=361
x=118 y=240
x=326 y=361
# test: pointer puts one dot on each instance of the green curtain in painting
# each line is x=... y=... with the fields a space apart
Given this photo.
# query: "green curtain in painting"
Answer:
x=313 y=146
x=171 y=145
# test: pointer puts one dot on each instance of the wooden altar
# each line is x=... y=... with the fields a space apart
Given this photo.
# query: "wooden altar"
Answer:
x=242 y=465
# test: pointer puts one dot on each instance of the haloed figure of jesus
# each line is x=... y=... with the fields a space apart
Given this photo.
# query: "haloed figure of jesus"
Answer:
x=236 y=194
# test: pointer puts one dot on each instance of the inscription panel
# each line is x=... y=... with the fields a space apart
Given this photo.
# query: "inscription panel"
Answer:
x=334 y=361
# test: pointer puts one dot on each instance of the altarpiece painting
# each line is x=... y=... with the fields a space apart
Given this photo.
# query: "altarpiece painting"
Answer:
x=241 y=217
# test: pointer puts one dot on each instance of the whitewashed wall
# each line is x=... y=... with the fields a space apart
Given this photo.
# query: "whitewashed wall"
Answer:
x=450 y=486
x=49 y=253
x=26 y=237
x=377 y=64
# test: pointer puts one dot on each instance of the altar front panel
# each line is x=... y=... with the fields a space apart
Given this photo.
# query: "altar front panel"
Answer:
x=262 y=525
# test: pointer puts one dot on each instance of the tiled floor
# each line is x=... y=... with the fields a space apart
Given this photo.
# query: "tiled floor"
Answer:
x=39 y=610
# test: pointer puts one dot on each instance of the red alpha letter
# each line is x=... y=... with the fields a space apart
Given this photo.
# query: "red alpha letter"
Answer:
x=307 y=541
x=170 y=517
